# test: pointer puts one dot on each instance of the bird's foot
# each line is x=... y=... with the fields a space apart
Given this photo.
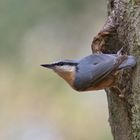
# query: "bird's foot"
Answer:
x=120 y=92
x=122 y=52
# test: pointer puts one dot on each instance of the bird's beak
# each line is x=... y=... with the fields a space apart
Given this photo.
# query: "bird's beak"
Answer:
x=50 y=66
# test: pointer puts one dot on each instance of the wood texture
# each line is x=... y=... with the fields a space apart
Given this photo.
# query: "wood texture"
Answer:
x=122 y=29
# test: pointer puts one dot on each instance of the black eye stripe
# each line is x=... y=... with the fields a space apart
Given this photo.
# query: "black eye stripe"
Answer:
x=65 y=63
x=60 y=64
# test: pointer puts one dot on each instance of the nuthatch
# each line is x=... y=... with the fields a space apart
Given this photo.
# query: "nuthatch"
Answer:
x=94 y=72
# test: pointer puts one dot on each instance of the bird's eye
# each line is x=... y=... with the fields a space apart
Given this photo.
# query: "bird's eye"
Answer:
x=60 y=63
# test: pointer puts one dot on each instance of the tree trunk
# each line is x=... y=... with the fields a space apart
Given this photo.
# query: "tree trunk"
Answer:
x=122 y=29
x=124 y=114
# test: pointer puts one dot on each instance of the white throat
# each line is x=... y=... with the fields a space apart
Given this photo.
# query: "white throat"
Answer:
x=67 y=73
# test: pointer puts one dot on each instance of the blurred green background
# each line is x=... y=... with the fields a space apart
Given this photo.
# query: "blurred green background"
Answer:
x=35 y=104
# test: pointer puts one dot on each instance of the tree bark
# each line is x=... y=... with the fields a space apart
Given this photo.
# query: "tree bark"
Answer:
x=122 y=29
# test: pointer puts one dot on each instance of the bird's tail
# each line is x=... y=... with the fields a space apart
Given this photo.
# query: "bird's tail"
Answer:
x=128 y=63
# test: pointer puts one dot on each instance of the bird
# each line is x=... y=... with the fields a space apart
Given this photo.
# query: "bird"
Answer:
x=94 y=72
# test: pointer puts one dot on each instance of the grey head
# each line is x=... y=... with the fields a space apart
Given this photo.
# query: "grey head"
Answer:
x=62 y=65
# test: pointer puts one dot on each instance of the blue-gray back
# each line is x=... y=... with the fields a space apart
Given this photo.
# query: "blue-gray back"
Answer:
x=93 y=68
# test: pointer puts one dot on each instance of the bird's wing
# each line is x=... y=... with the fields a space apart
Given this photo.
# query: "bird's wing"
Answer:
x=95 y=68
x=92 y=69
x=108 y=66
x=101 y=71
